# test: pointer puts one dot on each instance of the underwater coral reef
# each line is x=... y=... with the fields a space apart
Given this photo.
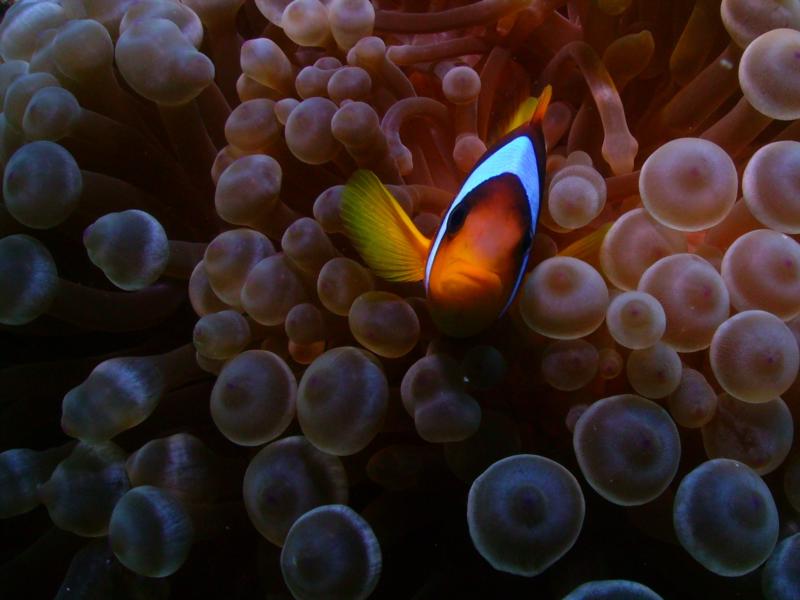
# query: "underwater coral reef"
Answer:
x=348 y=299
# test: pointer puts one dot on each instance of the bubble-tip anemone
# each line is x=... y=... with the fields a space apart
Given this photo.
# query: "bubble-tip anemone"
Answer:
x=725 y=517
x=524 y=512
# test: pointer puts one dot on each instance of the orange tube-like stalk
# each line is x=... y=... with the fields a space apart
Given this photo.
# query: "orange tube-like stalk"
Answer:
x=619 y=146
x=410 y=54
x=694 y=103
x=398 y=114
x=477 y=13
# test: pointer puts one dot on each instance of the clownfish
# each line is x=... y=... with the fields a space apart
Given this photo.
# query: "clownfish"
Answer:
x=474 y=264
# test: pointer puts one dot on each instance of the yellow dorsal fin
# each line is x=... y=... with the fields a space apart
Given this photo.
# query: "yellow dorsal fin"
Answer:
x=522 y=115
x=529 y=110
x=381 y=231
x=541 y=106
x=588 y=247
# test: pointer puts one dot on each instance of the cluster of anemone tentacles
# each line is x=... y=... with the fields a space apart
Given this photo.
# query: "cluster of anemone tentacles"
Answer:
x=211 y=394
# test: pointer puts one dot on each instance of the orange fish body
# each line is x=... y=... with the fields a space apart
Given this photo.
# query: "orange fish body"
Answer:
x=475 y=262
x=475 y=269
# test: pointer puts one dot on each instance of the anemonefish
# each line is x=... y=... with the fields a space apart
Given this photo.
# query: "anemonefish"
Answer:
x=474 y=265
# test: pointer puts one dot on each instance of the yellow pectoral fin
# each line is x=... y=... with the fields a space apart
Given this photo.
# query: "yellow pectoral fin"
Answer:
x=381 y=231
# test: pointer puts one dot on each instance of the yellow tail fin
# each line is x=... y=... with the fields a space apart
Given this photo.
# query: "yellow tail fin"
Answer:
x=381 y=231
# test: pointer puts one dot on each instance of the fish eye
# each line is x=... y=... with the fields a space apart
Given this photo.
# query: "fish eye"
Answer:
x=457 y=218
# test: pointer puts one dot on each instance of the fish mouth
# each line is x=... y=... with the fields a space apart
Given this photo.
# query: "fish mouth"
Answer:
x=465 y=281
x=466 y=301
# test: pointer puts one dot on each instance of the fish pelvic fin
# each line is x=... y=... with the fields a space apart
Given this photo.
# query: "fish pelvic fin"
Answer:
x=381 y=231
